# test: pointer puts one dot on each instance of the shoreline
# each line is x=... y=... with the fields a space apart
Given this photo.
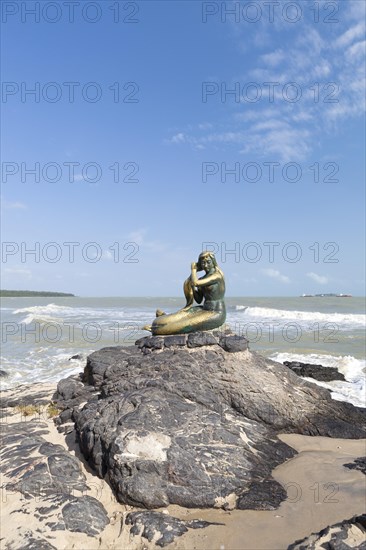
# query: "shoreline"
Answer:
x=320 y=492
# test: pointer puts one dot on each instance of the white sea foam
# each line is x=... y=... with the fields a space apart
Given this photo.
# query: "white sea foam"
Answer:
x=351 y=319
x=41 y=365
x=354 y=371
x=53 y=313
x=41 y=310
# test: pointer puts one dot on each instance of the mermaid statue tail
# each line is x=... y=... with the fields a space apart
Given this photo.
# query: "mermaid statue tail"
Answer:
x=188 y=293
x=187 y=320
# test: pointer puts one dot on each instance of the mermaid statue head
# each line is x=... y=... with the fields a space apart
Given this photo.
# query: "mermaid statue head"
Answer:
x=204 y=256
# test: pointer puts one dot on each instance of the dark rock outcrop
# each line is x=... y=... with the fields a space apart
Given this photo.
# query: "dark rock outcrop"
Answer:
x=192 y=420
x=52 y=477
x=163 y=527
x=32 y=542
x=85 y=515
x=225 y=339
x=359 y=464
x=318 y=372
x=348 y=534
x=265 y=495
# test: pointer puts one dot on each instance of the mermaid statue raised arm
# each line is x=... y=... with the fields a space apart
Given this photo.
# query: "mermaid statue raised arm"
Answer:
x=210 y=288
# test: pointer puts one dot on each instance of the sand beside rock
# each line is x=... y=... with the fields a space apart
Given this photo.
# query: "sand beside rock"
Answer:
x=321 y=491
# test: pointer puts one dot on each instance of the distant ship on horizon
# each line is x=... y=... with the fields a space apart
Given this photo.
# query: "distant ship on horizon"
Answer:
x=328 y=295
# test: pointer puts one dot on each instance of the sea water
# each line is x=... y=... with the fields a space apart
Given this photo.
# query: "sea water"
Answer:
x=40 y=335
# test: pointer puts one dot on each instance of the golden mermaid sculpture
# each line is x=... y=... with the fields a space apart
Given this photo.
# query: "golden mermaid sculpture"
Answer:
x=210 y=288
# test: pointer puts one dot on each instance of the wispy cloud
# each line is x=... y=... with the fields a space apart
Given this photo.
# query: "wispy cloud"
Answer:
x=273 y=58
x=107 y=255
x=18 y=272
x=327 y=65
x=178 y=138
x=278 y=138
x=356 y=31
x=320 y=279
x=8 y=205
x=140 y=237
x=275 y=274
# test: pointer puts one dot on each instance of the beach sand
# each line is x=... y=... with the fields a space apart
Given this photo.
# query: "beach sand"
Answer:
x=321 y=491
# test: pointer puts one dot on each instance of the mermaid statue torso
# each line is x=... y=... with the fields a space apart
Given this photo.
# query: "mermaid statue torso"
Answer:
x=210 y=289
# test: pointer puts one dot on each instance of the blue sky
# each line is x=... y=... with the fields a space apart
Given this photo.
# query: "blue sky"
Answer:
x=292 y=134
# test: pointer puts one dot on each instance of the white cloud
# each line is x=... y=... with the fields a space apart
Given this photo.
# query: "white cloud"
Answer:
x=225 y=137
x=270 y=136
x=13 y=205
x=357 y=31
x=275 y=274
x=356 y=50
x=356 y=10
x=289 y=143
x=138 y=237
x=178 y=138
x=312 y=41
x=327 y=65
x=320 y=279
x=18 y=272
x=322 y=70
x=273 y=58
x=107 y=255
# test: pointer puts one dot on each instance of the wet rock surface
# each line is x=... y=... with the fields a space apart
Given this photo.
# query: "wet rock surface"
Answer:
x=161 y=528
x=192 y=420
x=85 y=515
x=359 y=464
x=318 y=372
x=32 y=542
x=340 y=536
x=48 y=475
x=265 y=495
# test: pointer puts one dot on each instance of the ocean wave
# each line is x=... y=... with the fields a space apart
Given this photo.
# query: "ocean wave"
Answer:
x=353 y=319
x=45 y=310
x=41 y=364
x=353 y=369
x=53 y=313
